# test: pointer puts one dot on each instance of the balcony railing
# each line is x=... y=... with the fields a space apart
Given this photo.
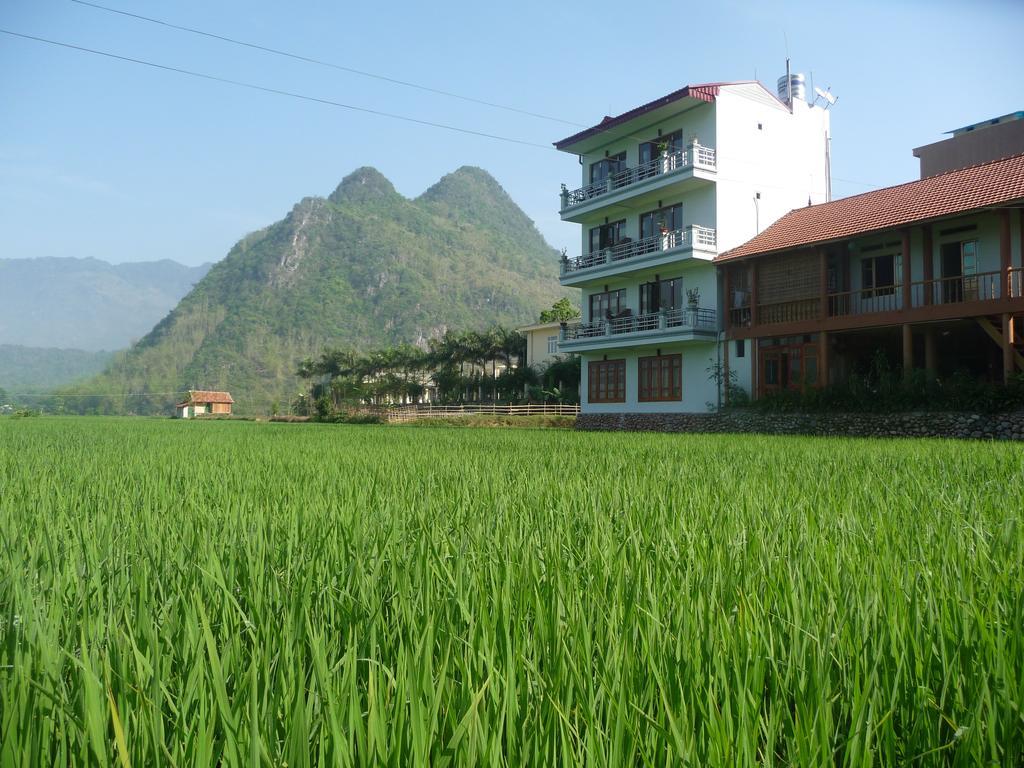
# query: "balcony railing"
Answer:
x=689 y=237
x=688 y=318
x=695 y=156
x=986 y=286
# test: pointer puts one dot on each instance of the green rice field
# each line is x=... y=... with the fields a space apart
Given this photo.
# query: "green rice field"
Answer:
x=244 y=594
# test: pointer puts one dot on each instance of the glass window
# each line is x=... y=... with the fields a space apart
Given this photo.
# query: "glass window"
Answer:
x=552 y=345
x=663 y=294
x=879 y=275
x=607 y=235
x=602 y=169
x=606 y=381
x=604 y=304
x=670 y=217
x=670 y=143
x=660 y=378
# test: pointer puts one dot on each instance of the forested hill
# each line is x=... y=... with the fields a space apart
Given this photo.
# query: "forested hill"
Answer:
x=363 y=268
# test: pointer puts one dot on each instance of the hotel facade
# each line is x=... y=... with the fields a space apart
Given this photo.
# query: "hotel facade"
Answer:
x=665 y=189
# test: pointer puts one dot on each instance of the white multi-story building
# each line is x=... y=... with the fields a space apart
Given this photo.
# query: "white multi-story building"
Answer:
x=665 y=188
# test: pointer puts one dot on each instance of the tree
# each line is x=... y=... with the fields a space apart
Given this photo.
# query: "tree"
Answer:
x=561 y=311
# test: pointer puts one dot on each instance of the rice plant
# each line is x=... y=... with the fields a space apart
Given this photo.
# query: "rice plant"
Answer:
x=195 y=594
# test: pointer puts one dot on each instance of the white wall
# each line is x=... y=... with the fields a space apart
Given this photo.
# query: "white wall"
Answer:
x=784 y=160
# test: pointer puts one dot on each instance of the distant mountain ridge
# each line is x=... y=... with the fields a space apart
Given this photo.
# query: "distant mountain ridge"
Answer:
x=362 y=268
x=87 y=304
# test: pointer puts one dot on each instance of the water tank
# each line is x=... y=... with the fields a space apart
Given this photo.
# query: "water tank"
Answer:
x=799 y=88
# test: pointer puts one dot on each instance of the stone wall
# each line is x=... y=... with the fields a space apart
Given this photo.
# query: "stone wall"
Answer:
x=964 y=426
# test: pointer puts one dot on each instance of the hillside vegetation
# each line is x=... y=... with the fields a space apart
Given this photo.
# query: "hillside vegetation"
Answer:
x=361 y=269
x=29 y=370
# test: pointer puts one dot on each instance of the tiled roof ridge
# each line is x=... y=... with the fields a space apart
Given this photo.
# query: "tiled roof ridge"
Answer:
x=209 y=396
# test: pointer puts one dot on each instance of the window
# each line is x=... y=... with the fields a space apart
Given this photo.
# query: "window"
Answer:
x=603 y=305
x=661 y=378
x=879 y=275
x=789 y=363
x=662 y=294
x=670 y=142
x=607 y=235
x=606 y=381
x=741 y=347
x=552 y=345
x=670 y=217
x=602 y=169
x=959 y=271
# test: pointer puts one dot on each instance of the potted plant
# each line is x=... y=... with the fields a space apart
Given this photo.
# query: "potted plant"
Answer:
x=693 y=297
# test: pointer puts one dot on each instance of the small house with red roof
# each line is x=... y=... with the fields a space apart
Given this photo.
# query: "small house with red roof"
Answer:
x=928 y=274
x=201 y=402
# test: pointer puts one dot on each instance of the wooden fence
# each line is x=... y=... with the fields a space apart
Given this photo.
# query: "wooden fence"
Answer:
x=402 y=413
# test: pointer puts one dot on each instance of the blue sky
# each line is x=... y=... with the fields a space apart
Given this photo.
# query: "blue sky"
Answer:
x=125 y=163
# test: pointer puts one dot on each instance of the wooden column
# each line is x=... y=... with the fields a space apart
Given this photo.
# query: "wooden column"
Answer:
x=1007 y=349
x=753 y=294
x=1005 y=256
x=928 y=263
x=908 y=350
x=929 y=352
x=906 y=269
x=755 y=368
x=822 y=284
x=823 y=377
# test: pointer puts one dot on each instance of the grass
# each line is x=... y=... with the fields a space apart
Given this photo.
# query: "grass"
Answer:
x=176 y=593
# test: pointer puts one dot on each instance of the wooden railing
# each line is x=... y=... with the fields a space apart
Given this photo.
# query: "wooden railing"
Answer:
x=694 y=156
x=403 y=413
x=693 y=237
x=788 y=311
x=985 y=286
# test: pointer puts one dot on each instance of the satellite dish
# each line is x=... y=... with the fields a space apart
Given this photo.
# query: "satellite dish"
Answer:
x=826 y=95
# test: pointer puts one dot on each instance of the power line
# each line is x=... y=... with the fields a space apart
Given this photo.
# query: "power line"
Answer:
x=277 y=91
x=329 y=102
x=332 y=65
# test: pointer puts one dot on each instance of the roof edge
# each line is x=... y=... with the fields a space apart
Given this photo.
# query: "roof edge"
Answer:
x=707 y=92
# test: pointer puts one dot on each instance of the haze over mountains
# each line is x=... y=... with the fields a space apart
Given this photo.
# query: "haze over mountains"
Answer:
x=362 y=268
x=62 y=318
x=87 y=304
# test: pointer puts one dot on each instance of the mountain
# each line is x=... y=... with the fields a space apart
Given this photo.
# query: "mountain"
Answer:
x=87 y=304
x=29 y=370
x=362 y=268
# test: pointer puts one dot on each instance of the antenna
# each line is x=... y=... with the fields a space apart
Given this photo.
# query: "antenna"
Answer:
x=826 y=95
x=789 y=82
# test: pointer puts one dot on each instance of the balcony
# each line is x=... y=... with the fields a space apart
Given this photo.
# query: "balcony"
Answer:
x=630 y=255
x=688 y=324
x=936 y=299
x=694 y=162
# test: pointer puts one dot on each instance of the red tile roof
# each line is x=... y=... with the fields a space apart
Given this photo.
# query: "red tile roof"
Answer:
x=948 y=194
x=703 y=92
x=207 y=396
